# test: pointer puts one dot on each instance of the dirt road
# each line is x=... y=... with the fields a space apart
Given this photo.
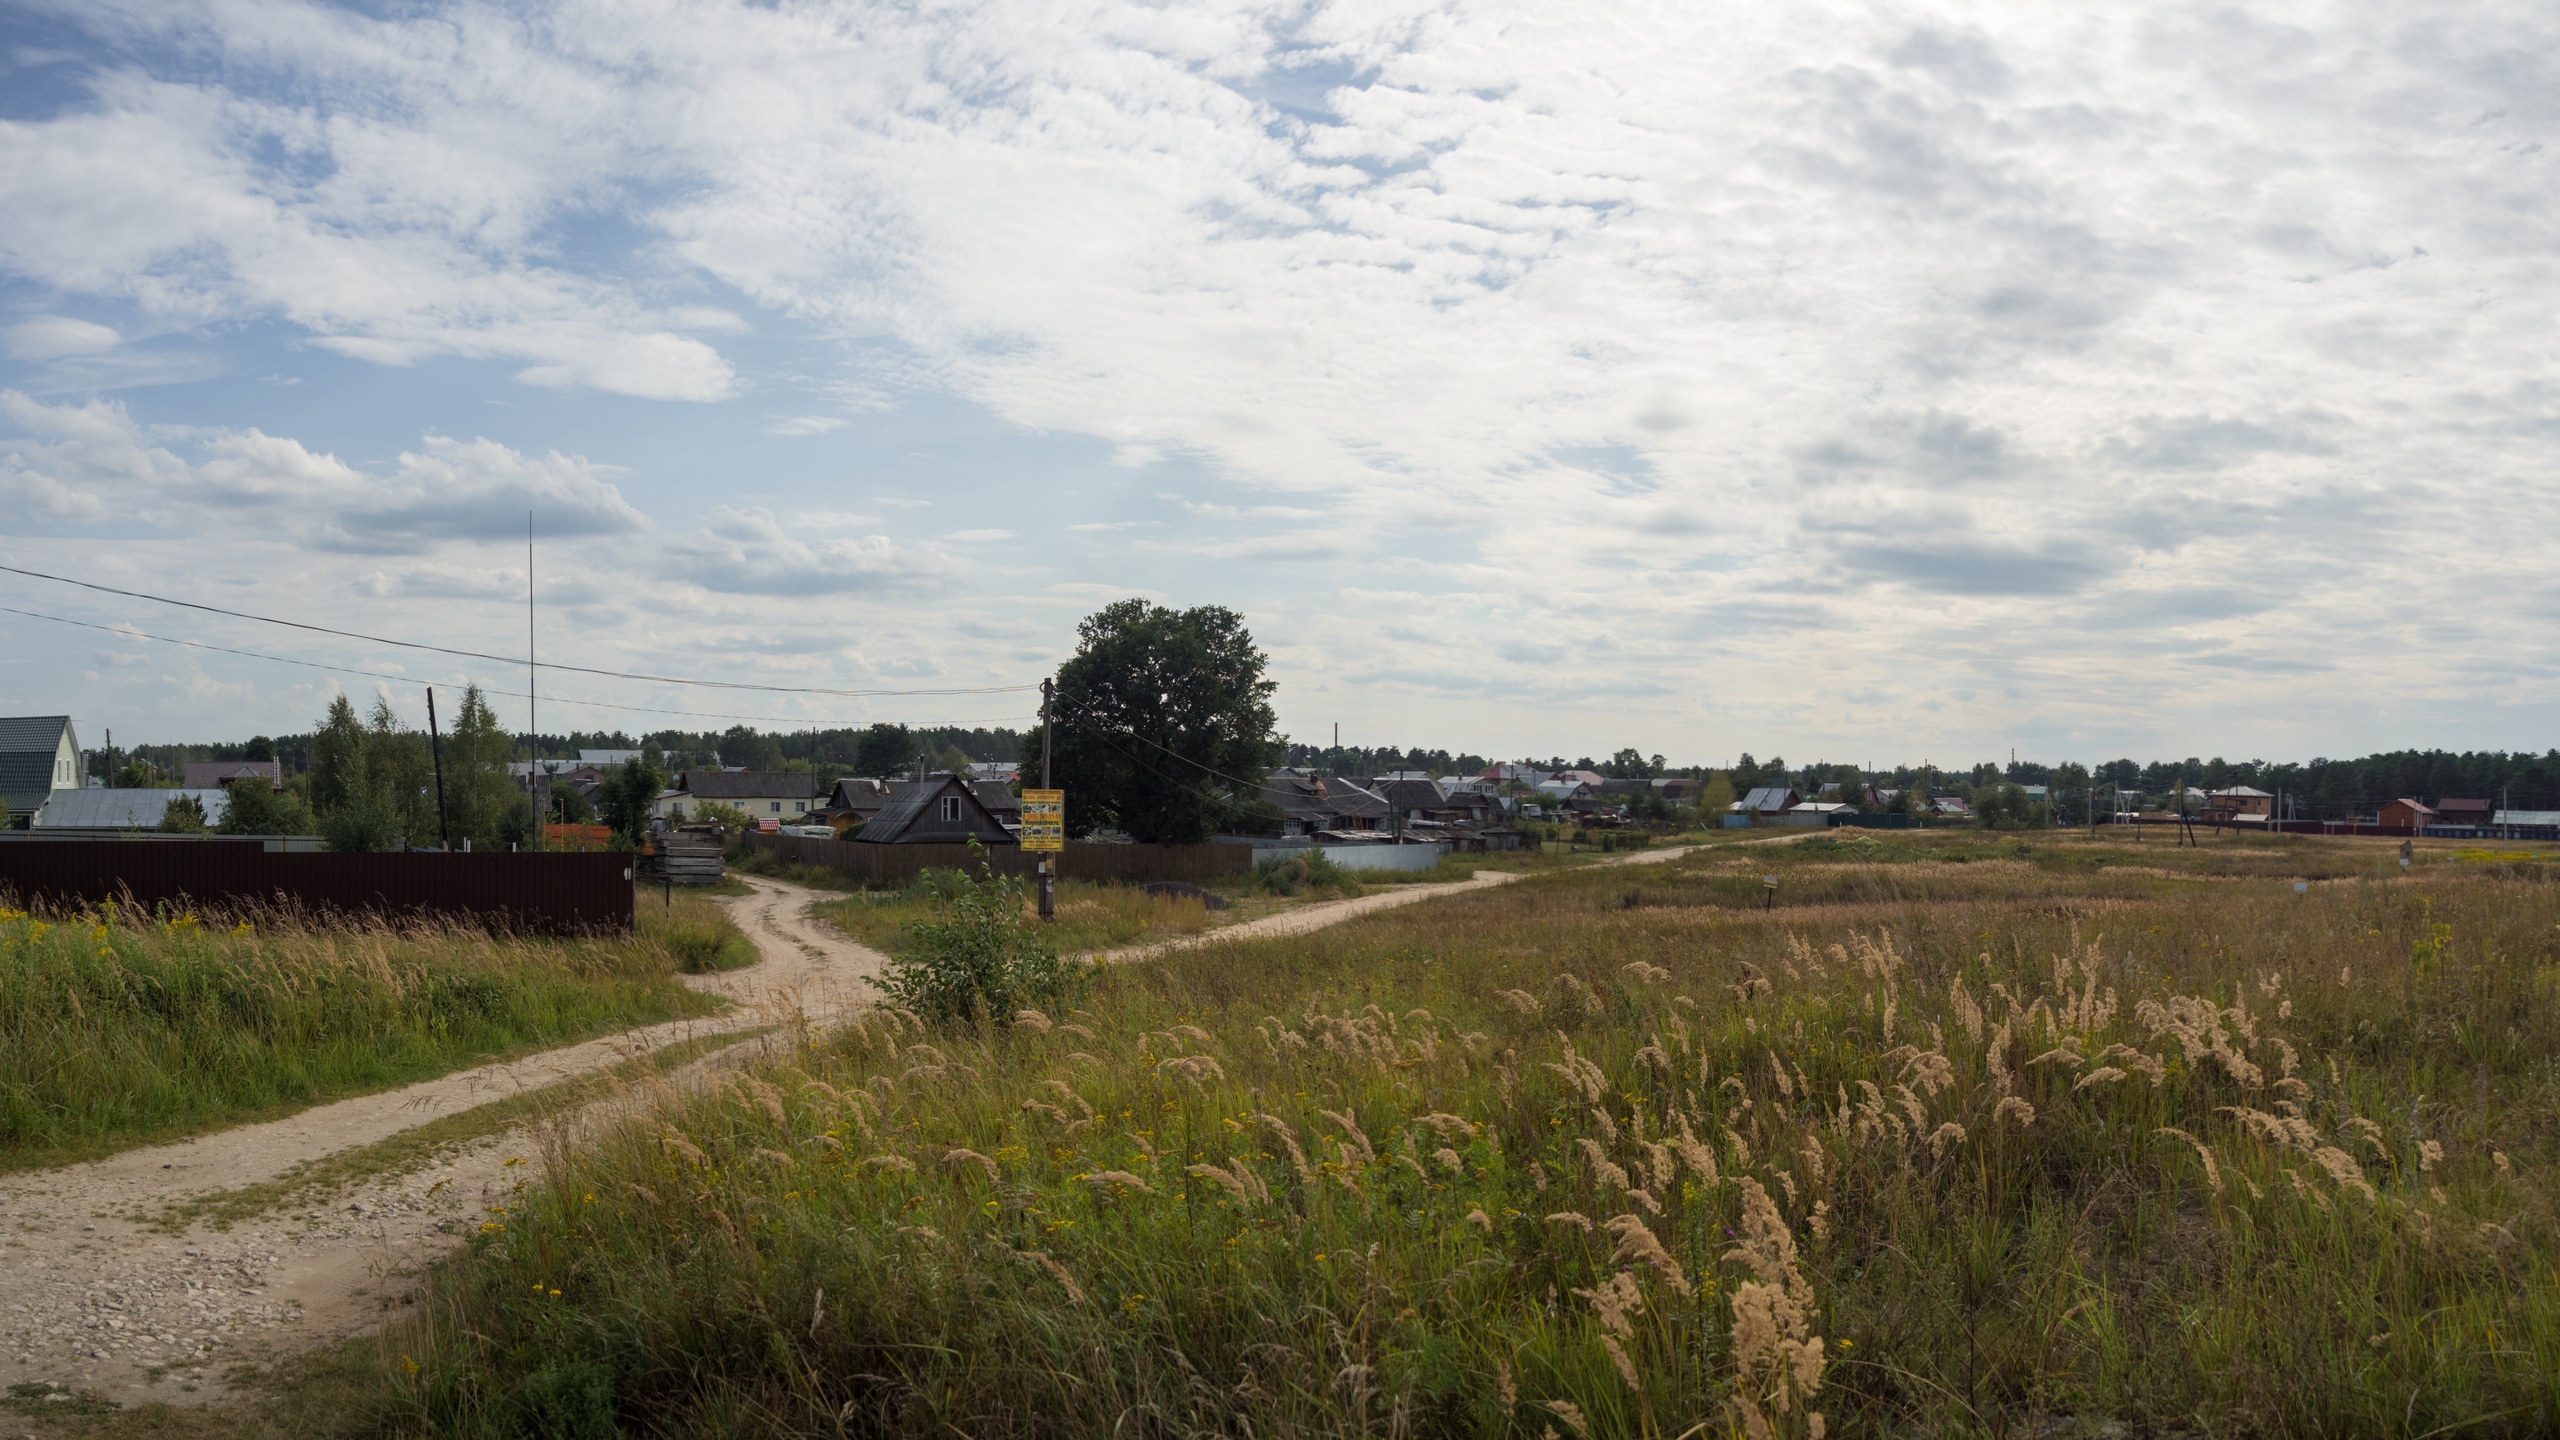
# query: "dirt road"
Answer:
x=92 y=1296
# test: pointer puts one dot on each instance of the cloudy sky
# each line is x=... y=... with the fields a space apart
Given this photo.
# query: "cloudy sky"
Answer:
x=1878 y=381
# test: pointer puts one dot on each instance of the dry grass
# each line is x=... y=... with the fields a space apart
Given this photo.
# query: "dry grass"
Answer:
x=118 y=1028
x=1944 y=1141
x=1089 y=917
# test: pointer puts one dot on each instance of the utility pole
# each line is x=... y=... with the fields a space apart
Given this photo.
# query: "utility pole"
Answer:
x=1048 y=864
x=537 y=784
x=435 y=745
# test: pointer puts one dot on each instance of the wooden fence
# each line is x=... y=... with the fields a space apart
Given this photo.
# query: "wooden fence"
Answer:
x=893 y=865
x=552 y=893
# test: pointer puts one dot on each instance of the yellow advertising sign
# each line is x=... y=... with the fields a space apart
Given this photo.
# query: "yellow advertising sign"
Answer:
x=1044 y=819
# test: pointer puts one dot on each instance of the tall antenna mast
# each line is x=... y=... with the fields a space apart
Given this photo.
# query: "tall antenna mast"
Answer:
x=532 y=727
x=536 y=785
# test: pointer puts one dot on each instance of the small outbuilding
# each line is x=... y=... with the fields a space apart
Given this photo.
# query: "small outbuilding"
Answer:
x=939 y=810
x=2407 y=814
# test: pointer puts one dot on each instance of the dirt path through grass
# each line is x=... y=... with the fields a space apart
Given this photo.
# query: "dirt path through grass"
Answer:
x=95 y=1293
x=1305 y=918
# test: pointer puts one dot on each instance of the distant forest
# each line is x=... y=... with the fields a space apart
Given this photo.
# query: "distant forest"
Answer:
x=2315 y=789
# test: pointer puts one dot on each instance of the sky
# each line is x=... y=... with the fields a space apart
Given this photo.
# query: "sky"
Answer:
x=1877 y=382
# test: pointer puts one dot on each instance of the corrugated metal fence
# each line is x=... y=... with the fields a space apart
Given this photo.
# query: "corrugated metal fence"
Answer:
x=889 y=865
x=548 y=892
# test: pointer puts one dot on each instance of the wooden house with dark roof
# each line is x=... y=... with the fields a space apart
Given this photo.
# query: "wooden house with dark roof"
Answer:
x=39 y=754
x=938 y=810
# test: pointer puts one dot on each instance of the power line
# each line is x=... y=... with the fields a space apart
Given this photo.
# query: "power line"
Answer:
x=501 y=659
x=795 y=722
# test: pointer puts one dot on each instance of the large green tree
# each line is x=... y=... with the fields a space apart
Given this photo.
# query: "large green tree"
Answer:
x=1163 y=722
x=480 y=794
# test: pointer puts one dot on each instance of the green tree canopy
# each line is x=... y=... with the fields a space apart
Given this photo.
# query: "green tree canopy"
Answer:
x=626 y=797
x=257 y=808
x=1161 y=715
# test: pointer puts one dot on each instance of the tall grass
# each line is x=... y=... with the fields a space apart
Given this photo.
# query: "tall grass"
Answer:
x=1089 y=916
x=118 y=1027
x=1986 y=1148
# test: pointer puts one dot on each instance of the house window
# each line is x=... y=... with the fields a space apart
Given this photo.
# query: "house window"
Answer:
x=951 y=808
x=777 y=807
x=799 y=804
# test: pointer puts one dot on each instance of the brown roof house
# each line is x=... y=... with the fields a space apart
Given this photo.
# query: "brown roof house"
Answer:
x=2464 y=812
x=2406 y=814
x=937 y=810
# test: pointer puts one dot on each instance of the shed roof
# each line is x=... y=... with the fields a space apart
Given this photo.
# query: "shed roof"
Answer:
x=124 y=809
x=1770 y=798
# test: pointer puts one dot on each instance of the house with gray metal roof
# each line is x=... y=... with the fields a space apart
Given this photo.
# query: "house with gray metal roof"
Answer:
x=785 y=795
x=39 y=754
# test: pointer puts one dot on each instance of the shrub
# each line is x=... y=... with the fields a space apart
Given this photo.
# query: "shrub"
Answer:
x=1308 y=870
x=976 y=960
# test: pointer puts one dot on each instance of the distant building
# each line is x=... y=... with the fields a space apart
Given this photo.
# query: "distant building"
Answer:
x=1768 y=800
x=2240 y=804
x=216 y=774
x=99 y=811
x=1000 y=801
x=2464 y=812
x=1820 y=812
x=938 y=810
x=853 y=802
x=39 y=754
x=763 y=794
x=2406 y=814
x=607 y=759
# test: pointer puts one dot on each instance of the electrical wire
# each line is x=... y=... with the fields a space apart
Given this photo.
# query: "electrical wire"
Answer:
x=789 y=722
x=503 y=659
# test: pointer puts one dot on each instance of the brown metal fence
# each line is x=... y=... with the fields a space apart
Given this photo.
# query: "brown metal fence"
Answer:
x=548 y=892
x=890 y=865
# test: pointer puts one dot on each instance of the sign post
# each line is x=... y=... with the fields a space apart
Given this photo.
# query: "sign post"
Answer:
x=1044 y=832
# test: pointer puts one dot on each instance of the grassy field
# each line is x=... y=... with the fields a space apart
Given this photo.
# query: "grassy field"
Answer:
x=1947 y=1134
x=119 y=1028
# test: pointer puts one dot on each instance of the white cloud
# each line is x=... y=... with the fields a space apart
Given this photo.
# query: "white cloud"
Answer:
x=51 y=337
x=798 y=425
x=91 y=460
x=746 y=552
x=2107 y=336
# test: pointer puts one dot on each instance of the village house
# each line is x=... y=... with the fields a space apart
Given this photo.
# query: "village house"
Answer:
x=2476 y=813
x=787 y=795
x=2240 y=804
x=1319 y=806
x=2406 y=814
x=853 y=802
x=1000 y=801
x=39 y=754
x=937 y=810
x=1768 y=801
